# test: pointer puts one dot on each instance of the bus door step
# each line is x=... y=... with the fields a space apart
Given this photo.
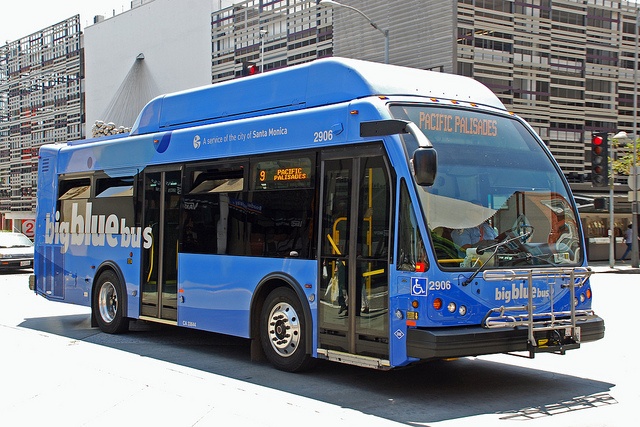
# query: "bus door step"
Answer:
x=354 y=359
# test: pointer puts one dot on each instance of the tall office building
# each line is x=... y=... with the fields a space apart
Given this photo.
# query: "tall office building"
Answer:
x=265 y=35
x=40 y=102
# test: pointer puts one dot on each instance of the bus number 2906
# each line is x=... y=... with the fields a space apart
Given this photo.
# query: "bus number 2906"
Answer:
x=324 y=135
x=437 y=285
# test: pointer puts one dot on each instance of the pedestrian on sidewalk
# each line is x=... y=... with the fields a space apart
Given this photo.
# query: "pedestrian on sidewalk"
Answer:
x=628 y=240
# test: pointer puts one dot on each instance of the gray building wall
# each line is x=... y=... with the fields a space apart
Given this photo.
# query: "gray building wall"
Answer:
x=422 y=33
x=173 y=37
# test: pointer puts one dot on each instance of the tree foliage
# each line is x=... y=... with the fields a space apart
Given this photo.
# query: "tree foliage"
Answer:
x=622 y=165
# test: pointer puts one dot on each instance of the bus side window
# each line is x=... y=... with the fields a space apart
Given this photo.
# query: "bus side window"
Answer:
x=282 y=198
x=115 y=196
x=208 y=219
x=281 y=227
x=73 y=191
x=411 y=249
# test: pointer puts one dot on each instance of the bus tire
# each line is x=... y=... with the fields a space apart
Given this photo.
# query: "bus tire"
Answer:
x=108 y=304
x=282 y=331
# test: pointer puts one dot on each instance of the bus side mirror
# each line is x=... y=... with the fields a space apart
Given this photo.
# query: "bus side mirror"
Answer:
x=425 y=165
x=425 y=158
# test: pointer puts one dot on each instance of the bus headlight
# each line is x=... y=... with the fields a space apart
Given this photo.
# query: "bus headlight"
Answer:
x=462 y=310
x=451 y=307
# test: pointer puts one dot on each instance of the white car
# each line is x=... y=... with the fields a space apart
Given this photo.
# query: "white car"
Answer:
x=16 y=251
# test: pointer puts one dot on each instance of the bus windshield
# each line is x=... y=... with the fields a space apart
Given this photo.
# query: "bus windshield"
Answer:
x=498 y=199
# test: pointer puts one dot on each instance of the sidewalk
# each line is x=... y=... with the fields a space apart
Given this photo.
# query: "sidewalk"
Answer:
x=618 y=267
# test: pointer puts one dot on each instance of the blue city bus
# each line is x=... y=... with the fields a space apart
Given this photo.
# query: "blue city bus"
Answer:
x=357 y=212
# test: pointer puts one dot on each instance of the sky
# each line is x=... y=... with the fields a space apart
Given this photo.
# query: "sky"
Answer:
x=20 y=18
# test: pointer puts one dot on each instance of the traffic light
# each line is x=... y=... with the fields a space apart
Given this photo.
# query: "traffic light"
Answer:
x=600 y=159
x=249 y=69
x=601 y=204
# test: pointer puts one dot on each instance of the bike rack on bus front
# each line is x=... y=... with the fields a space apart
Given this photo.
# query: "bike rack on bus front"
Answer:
x=556 y=322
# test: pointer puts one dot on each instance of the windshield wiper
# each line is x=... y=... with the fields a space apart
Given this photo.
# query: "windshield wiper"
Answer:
x=510 y=237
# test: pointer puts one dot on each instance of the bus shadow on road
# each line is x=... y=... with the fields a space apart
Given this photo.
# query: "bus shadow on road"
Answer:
x=417 y=395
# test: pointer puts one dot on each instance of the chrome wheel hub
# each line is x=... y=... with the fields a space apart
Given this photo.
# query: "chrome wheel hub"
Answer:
x=284 y=329
x=108 y=302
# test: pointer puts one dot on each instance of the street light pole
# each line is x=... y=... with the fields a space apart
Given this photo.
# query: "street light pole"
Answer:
x=385 y=33
x=263 y=34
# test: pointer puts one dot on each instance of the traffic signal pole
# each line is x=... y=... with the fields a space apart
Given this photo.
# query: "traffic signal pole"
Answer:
x=600 y=178
x=612 y=235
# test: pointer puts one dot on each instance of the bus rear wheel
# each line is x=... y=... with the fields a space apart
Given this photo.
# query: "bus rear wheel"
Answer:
x=283 y=333
x=108 y=304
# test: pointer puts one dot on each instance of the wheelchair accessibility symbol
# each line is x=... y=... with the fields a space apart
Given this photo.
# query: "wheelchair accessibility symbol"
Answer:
x=418 y=286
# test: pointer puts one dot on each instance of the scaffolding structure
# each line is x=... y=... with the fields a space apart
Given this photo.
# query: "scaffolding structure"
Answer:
x=41 y=101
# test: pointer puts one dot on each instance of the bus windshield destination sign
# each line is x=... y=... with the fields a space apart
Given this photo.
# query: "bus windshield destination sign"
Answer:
x=455 y=123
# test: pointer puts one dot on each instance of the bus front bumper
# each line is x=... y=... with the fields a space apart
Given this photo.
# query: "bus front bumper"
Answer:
x=443 y=343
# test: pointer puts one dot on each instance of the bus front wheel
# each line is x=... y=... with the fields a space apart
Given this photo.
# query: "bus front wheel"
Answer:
x=282 y=331
x=108 y=304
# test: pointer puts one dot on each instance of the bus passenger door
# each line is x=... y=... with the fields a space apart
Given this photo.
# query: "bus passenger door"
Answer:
x=354 y=287
x=162 y=190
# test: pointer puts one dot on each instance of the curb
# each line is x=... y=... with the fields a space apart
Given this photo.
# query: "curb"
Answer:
x=617 y=269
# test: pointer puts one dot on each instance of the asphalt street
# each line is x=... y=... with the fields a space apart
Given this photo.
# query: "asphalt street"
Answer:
x=58 y=371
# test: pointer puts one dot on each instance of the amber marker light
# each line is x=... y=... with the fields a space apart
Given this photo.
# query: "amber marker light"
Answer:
x=437 y=303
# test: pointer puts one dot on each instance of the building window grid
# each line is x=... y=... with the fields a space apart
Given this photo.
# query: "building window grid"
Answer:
x=588 y=48
x=293 y=35
x=41 y=81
